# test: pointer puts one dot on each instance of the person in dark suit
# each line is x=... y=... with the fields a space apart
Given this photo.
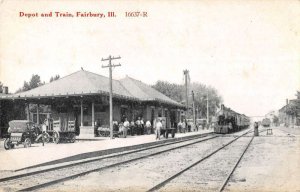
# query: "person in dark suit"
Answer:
x=138 y=126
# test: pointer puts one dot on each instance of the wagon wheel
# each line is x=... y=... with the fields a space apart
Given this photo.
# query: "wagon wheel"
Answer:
x=27 y=142
x=7 y=144
x=46 y=137
x=72 y=137
x=106 y=133
x=55 y=137
x=103 y=133
x=99 y=133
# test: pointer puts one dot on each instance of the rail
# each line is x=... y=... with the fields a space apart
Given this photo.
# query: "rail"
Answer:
x=34 y=173
x=163 y=183
x=235 y=166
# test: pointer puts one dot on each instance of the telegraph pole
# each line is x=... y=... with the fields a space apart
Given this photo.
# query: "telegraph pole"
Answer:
x=109 y=59
x=207 y=112
x=194 y=115
x=186 y=73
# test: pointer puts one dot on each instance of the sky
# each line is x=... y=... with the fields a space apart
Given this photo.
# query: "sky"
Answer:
x=248 y=50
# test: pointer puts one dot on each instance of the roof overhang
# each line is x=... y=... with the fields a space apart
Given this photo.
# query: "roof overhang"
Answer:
x=25 y=97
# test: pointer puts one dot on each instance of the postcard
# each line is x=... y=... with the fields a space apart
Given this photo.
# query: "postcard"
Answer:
x=136 y=95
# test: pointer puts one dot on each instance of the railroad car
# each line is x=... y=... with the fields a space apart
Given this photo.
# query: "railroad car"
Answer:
x=266 y=122
x=229 y=121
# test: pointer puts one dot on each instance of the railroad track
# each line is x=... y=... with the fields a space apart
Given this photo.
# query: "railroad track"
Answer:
x=27 y=179
x=169 y=179
x=235 y=166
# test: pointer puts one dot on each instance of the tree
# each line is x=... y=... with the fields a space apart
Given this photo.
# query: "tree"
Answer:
x=172 y=90
x=200 y=94
x=177 y=93
x=293 y=108
x=34 y=82
x=54 y=78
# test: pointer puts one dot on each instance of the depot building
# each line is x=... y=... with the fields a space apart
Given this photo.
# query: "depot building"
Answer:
x=83 y=97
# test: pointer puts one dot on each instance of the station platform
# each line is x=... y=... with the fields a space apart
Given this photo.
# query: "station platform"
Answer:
x=50 y=153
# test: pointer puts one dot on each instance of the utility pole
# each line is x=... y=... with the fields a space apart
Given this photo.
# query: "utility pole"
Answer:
x=109 y=59
x=186 y=74
x=207 y=112
x=194 y=115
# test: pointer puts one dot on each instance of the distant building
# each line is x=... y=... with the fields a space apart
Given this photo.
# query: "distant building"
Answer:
x=289 y=115
x=84 y=97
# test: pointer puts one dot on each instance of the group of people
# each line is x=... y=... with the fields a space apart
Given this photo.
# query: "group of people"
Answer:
x=139 y=127
x=182 y=125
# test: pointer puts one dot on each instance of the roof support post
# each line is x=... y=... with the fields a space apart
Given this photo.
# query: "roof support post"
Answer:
x=37 y=114
x=81 y=114
x=27 y=111
x=93 y=114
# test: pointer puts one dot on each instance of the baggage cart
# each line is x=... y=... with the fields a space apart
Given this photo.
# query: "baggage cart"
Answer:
x=59 y=131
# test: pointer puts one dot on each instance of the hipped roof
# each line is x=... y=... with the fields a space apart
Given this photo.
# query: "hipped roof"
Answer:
x=80 y=82
x=87 y=83
x=145 y=92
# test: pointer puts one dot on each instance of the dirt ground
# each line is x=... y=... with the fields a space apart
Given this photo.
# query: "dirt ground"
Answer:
x=272 y=163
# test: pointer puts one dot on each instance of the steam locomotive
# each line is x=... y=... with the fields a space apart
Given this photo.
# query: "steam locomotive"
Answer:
x=229 y=121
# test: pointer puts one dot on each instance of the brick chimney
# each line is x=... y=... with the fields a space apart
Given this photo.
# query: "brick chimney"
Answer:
x=287 y=101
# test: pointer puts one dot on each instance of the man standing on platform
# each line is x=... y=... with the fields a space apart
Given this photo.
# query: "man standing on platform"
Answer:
x=125 y=127
x=132 y=128
x=148 y=127
x=138 y=125
x=158 y=127
x=184 y=125
x=179 y=127
x=142 y=127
